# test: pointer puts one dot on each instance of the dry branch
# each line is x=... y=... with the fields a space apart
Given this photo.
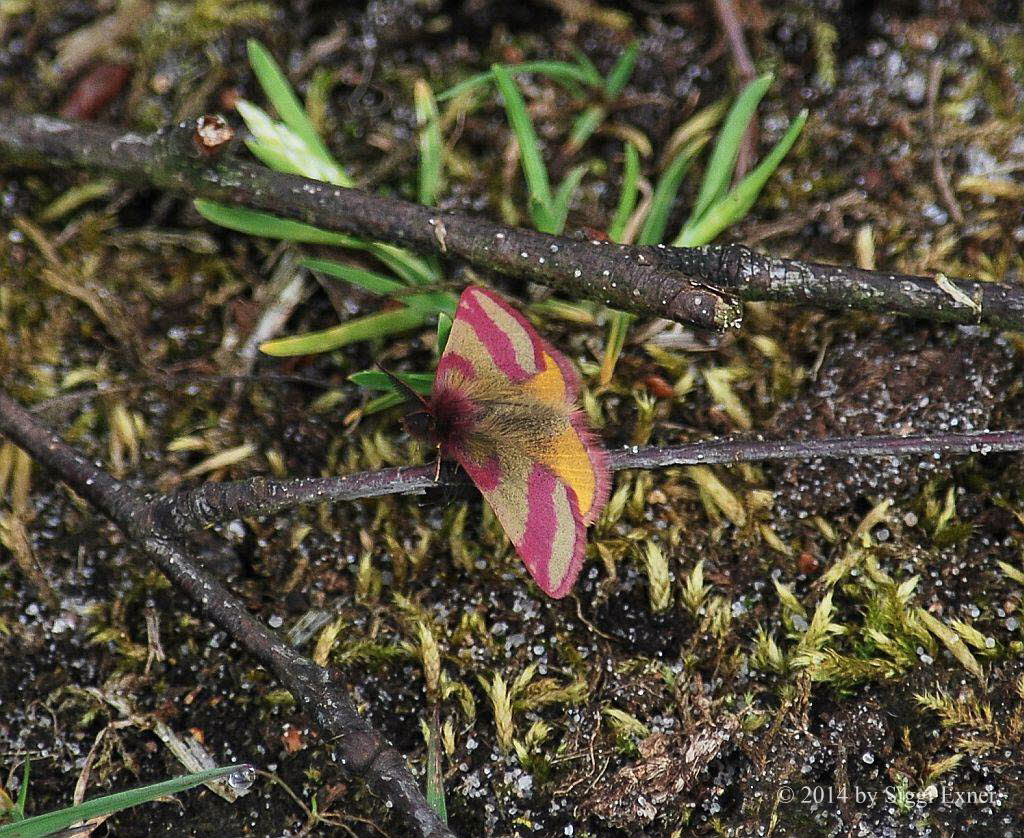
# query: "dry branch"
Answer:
x=701 y=286
x=189 y=510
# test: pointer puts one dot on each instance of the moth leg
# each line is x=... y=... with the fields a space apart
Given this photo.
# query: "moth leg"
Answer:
x=437 y=469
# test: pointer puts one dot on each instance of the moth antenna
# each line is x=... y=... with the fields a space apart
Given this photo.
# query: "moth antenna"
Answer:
x=401 y=386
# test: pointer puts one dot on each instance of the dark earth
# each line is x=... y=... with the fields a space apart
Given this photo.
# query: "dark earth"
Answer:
x=731 y=706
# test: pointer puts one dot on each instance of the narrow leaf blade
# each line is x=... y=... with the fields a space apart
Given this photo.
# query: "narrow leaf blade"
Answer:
x=727 y=147
x=283 y=98
x=736 y=204
x=534 y=170
x=421 y=382
x=431 y=174
x=381 y=325
x=629 y=194
x=665 y=193
x=52 y=822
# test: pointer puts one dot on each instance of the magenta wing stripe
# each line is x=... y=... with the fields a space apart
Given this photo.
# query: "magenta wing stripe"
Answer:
x=535 y=547
x=550 y=539
x=453 y=361
x=540 y=347
x=486 y=476
x=539 y=344
x=499 y=345
x=505 y=353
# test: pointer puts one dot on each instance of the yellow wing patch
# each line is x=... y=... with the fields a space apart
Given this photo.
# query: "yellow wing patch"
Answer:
x=569 y=460
x=549 y=384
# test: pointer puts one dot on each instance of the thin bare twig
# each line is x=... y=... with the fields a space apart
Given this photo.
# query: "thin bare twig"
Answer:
x=191 y=509
x=725 y=11
x=362 y=750
x=700 y=286
x=939 y=174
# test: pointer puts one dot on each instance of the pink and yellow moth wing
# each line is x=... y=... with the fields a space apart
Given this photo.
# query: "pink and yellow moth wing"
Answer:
x=490 y=338
x=496 y=341
x=575 y=456
x=546 y=502
x=539 y=513
x=579 y=461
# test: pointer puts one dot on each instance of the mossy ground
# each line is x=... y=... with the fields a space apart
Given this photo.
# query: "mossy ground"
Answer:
x=787 y=649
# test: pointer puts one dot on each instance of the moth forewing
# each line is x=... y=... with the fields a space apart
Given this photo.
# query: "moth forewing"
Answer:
x=503 y=406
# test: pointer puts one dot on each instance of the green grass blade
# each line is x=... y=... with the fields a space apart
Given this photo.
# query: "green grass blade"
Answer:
x=563 y=197
x=381 y=325
x=736 y=204
x=618 y=329
x=431 y=173
x=318 y=93
x=590 y=120
x=534 y=170
x=620 y=321
x=628 y=196
x=51 y=822
x=479 y=80
x=563 y=72
x=281 y=148
x=432 y=302
x=582 y=312
x=273 y=157
x=584 y=126
x=75 y=197
x=622 y=70
x=560 y=71
x=18 y=812
x=540 y=214
x=367 y=280
x=444 y=329
x=727 y=147
x=421 y=382
x=255 y=223
x=665 y=193
x=702 y=122
x=593 y=75
x=385 y=402
x=407 y=266
x=284 y=100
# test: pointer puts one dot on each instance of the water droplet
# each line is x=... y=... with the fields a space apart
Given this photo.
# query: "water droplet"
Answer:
x=241 y=779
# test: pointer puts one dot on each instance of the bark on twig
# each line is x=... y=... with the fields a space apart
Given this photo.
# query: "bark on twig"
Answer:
x=699 y=286
x=192 y=509
x=362 y=750
x=620 y=277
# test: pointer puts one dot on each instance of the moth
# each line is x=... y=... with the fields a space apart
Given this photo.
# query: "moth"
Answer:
x=504 y=406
